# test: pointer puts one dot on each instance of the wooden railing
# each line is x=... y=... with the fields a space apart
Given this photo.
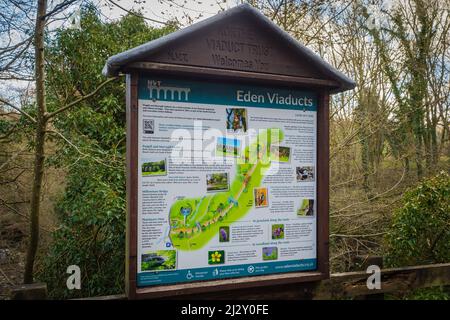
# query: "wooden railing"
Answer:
x=339 y=286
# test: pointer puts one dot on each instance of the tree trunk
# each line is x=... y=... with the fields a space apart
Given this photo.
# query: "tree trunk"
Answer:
x=39 y=142
x=418 y=147
x=434 y=145
x=427 y=139
x=406 y=164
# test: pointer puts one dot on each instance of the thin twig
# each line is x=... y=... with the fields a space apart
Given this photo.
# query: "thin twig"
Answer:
x=6 y=277
x=70 y=105
x=18 y=109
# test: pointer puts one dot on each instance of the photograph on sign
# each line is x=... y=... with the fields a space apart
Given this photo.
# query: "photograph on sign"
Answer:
x=226 y=184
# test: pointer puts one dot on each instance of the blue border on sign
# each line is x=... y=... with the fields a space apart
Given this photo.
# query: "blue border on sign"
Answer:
x=202 y=92
x=159 y=89
x=223 y=272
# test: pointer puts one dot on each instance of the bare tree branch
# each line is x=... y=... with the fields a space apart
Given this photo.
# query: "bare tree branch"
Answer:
x=138 y=15
x=74 y=103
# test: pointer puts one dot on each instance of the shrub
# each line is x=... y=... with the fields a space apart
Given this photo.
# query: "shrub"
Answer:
x=420 y=231
x=91 y=234
x=91 y=212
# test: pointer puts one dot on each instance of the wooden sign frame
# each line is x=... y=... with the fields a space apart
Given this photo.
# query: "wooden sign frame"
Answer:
x=239 y=45
x=322 y=182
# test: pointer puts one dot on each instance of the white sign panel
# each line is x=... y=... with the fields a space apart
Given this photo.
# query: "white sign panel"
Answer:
x=227 y=181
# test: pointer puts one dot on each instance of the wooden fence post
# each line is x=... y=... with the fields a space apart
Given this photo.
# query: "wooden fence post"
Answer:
x=33 y=291
x=364 y=262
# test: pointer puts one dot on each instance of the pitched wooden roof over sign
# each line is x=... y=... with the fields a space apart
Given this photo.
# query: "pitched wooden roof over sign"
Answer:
x=240 y=39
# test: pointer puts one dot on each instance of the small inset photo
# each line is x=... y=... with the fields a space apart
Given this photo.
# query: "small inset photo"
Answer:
x=154 y=167
x=228 y=147
x=280 y=153
x=306 y=208
x=159 y=260
x=277 y=231
x=305 y=174
x=236 y=120
x=269 y=253
x=224 y=234
x=261 y=197
x=217 y=182
x=216 y=257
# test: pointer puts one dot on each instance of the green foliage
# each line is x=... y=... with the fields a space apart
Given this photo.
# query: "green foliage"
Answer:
x=92 y=210
x=420 y=232
x=5 y=126
x=91 y=234
x=436 y=293
x=433 y=293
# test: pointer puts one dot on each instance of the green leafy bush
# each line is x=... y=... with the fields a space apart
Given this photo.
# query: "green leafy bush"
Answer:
x=91 y=233
x=420 y=232
x=433 y=293
x=437 y=293
x=92 y=209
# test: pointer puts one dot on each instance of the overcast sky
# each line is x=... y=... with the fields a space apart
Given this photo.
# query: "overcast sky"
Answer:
x=159 y=10
x=163 y=10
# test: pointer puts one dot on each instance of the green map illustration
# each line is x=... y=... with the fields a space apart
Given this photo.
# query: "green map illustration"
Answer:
x=195 y=221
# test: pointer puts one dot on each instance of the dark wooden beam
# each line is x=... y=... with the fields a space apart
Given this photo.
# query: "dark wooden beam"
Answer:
x=131 y=185
x=256 y=283
x=33 y=291
x=222 y=74
x=339 y=286
x=396 y=280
